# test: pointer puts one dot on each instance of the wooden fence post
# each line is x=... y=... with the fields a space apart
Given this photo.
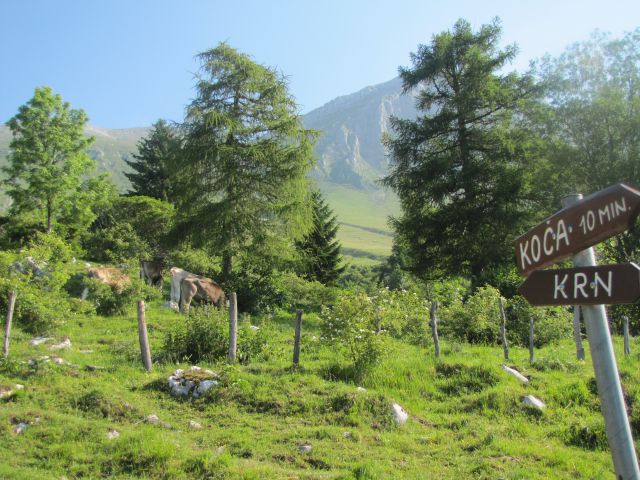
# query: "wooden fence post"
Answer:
x=296 y=340
x=577 y=336
x=434 y=327
x=145 y=352
x=503 y=329
x=627 y=351
x=7 y=326
x=233 y=327
x=531 y=340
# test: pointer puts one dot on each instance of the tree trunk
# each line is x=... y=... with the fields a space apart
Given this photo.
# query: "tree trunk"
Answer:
x=227 y=265
x=49 y=214
x=233 y=327
x=296 y=339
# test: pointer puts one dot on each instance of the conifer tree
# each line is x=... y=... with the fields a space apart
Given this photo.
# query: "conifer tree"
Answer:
x=244 y=170
x=459 y=169
x=152 y=165
x=320 y=249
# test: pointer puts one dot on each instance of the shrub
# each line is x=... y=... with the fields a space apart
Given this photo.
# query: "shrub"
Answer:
x=204 y=336
x=41 y=304
x=351 y=325
x=118 y=298
x=550 y=323
x=475 y=321
x=403 y=314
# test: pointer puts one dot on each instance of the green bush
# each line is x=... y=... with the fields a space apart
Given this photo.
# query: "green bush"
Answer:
x=550 y=323
x=351 y=325
x=41 y=303
x=204 y=336
x=117 y=299
x=476 y=321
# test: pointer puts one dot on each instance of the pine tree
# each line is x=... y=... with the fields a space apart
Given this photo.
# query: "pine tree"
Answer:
x=320 y=249
x=244 y=172
x=152 y=168
x=459 y=169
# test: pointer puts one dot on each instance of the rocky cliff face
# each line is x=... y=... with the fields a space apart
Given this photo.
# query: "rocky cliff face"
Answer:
x=349 y=150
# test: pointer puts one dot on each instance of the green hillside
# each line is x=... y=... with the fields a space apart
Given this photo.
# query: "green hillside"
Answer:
x=266 y=420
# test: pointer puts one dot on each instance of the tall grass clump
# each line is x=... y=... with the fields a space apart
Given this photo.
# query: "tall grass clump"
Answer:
x=204 y=336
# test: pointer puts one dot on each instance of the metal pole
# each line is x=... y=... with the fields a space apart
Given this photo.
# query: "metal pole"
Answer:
x=627 y=351
x=625 y=462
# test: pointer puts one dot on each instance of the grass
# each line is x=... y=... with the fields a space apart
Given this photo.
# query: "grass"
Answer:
x=466 y=418
x=363 y=219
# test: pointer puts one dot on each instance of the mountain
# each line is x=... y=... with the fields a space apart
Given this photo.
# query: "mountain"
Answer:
x=349 y=150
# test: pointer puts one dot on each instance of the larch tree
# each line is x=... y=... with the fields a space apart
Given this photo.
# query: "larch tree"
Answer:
x=243 y=173
x=48 y=161
x=459 y=168
x=320 y=248
x=153 y=166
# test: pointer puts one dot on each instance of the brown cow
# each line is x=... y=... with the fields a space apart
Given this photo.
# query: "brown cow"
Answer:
x=200 y=288
x=113 y=277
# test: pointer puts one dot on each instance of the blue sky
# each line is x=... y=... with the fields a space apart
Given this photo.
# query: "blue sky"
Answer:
x=128 y=63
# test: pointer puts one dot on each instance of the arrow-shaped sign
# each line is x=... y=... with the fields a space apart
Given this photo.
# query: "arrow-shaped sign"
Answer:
x=582 y=225
x=601 y=285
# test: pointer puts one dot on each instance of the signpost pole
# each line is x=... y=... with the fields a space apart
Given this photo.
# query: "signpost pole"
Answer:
x=617 y=426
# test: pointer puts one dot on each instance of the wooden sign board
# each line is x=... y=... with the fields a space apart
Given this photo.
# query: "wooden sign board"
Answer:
x=604 y=284
x=582 y=225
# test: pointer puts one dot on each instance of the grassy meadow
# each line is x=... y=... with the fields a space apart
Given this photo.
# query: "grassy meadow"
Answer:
x=362 y=216
x=465 y=414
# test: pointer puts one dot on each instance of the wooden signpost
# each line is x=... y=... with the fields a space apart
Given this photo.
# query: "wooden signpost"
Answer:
x=604 y=284
x=574 y=228
x=572 y=231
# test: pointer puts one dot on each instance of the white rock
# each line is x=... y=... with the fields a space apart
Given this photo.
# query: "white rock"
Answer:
x=194 y=425
x=178 y=373
x=204 y=387
x=66 y=343
x=515 y=373
x=534 y=402
x=19 y=386
x=38 y=341
x=304 y=448
x=254 y=327
x=58 y=361
x=153 y=419
x=195 y=368
x=361 y=389
x=400 y=414
x=112 y=434
x=19 y=428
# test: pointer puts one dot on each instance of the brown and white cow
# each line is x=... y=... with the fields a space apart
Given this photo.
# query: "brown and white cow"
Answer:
x=177 y=275
x=200 y=288
x=151 y=272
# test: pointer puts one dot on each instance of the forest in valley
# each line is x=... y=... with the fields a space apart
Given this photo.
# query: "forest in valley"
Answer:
x=226 y=194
